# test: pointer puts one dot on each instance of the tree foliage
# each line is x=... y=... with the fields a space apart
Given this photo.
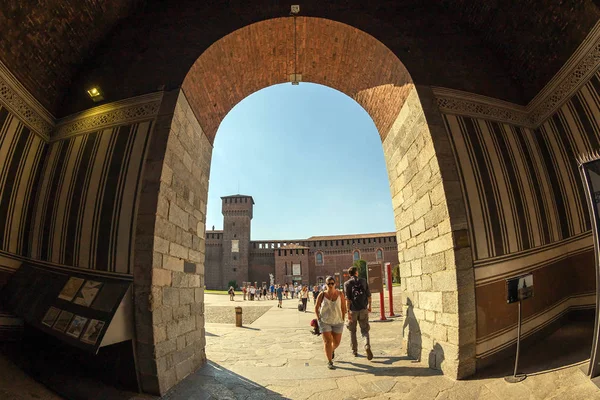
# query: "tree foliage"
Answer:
x=362 y=268
x=232 y=283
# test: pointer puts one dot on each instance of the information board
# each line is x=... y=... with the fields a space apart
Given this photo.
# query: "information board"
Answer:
x=74 y=307
x=519 y=288
x=374 y=277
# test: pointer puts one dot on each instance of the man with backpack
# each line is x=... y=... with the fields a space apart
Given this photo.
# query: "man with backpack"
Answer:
x=358 y=299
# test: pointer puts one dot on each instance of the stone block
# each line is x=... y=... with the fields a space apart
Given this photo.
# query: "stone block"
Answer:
x=172 y=263
x=199 y=295
x=178 y=216
x=165 y=347
x=180 y=279
x=172 y=330
x=167 y=380
x=450 y=320
x=416 y=252
x=186 y=325
x=438 y=245
x=426 y=327
x=436 y=215
x=171 y=296
x=440 y=333
x=413 y=284
x=450 y=302
x=426 y=284
x=422 y=207
x=186 y=296
x=431 y=301
x=183 y=369
x=430 y=316
x=161 y=245
x=433 y=263
x=444 y=281
x=415 y=266
x=452 y=333
x=180 y=346
x=160 y=333
x=417 y=227
x=181 y=312
x=161 y=277
x=405 y=234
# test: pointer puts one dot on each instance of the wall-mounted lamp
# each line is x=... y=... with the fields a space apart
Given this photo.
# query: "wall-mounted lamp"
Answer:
x=95 y=94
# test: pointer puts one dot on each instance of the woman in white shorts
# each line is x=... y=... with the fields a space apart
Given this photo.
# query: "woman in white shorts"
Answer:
x=331 y=312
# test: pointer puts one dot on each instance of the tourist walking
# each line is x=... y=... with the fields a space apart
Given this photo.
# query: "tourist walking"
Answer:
x=279 y=292
x=231 y=292
x=358 y=299
x=285 y=290
x=331 y=310
x=272 y=291
x=244 y=290
x=315 y=293
x=304 y=297
x=252 y=292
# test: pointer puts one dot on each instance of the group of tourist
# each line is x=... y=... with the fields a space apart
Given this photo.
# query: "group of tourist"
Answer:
x=333 y=307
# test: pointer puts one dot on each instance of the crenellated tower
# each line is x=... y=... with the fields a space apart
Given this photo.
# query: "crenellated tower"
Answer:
x=237 y=214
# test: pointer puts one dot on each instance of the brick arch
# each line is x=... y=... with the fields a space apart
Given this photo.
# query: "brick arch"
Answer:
x=431 y=226
x=327 y=52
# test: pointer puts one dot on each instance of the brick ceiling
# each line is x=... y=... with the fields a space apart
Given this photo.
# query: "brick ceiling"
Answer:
x=507 y=50
x=326 y=52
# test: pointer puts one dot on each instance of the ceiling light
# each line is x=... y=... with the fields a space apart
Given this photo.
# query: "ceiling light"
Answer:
x=95 y=94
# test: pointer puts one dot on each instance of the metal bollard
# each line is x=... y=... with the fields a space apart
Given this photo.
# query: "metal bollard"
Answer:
x=238 y=316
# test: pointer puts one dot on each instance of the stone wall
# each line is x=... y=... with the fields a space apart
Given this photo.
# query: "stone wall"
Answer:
x=434 y=251
x=170 y=245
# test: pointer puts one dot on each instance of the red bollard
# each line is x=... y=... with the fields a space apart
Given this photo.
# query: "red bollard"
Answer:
x=382 y=306
x=389 y=285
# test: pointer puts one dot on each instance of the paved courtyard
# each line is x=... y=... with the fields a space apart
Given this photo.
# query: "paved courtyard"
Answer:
x=276 y=357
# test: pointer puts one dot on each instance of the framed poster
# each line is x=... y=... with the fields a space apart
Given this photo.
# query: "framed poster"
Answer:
x=76 y=326
x=235 y=246
x=92 y=332
x=50 y=316
x=88 y=293
x=63 y=321
x=519 y=288
x=71 y=288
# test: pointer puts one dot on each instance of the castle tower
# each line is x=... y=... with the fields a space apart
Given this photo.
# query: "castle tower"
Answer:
x=237 y=214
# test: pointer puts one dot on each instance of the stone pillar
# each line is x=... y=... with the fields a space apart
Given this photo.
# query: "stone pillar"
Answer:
x=170 y=248
x=436 y=268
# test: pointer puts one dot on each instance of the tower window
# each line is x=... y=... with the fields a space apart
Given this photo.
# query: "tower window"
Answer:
x=356 y=255
x=319 y=258
x=379 y=254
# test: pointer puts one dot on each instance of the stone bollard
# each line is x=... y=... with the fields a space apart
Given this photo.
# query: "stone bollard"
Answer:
x=238 y=316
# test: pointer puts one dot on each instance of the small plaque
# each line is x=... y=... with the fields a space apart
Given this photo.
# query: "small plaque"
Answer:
x=50 y=316
x=92 y=332
x=76 y=326
x=88 y=293
x=63 y=321
x=70 y=289
x=519 y=288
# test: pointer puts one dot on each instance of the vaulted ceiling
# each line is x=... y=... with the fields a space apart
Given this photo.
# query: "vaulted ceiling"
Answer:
x=507 y=50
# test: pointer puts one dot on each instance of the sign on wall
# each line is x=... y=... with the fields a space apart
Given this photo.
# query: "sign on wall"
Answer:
x=519 y=288
x=296 y=269
x=235 y=246
x=374 y=277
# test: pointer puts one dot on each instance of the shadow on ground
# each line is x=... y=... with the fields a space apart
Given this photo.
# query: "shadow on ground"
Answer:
x=212 y=381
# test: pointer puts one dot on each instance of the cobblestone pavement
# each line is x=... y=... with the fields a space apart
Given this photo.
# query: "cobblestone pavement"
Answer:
x=277 y=358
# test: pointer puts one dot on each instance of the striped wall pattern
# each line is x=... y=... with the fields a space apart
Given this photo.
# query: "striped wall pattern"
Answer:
x=523 y=187
x=21 y=158
x=84 y=211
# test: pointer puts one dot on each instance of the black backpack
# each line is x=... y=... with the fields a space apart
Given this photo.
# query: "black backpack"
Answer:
x=359 y=294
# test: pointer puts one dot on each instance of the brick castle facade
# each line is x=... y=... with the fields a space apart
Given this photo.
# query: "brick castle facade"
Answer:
x=231 y=255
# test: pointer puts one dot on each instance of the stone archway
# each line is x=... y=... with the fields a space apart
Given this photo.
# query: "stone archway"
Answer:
x=436 y=265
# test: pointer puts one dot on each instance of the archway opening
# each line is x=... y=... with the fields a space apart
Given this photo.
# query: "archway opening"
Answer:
x=428 y=208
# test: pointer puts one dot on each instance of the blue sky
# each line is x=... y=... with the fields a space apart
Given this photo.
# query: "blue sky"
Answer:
x=311 y=158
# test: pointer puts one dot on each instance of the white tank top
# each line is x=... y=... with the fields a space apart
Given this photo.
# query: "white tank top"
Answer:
x=331 y=311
